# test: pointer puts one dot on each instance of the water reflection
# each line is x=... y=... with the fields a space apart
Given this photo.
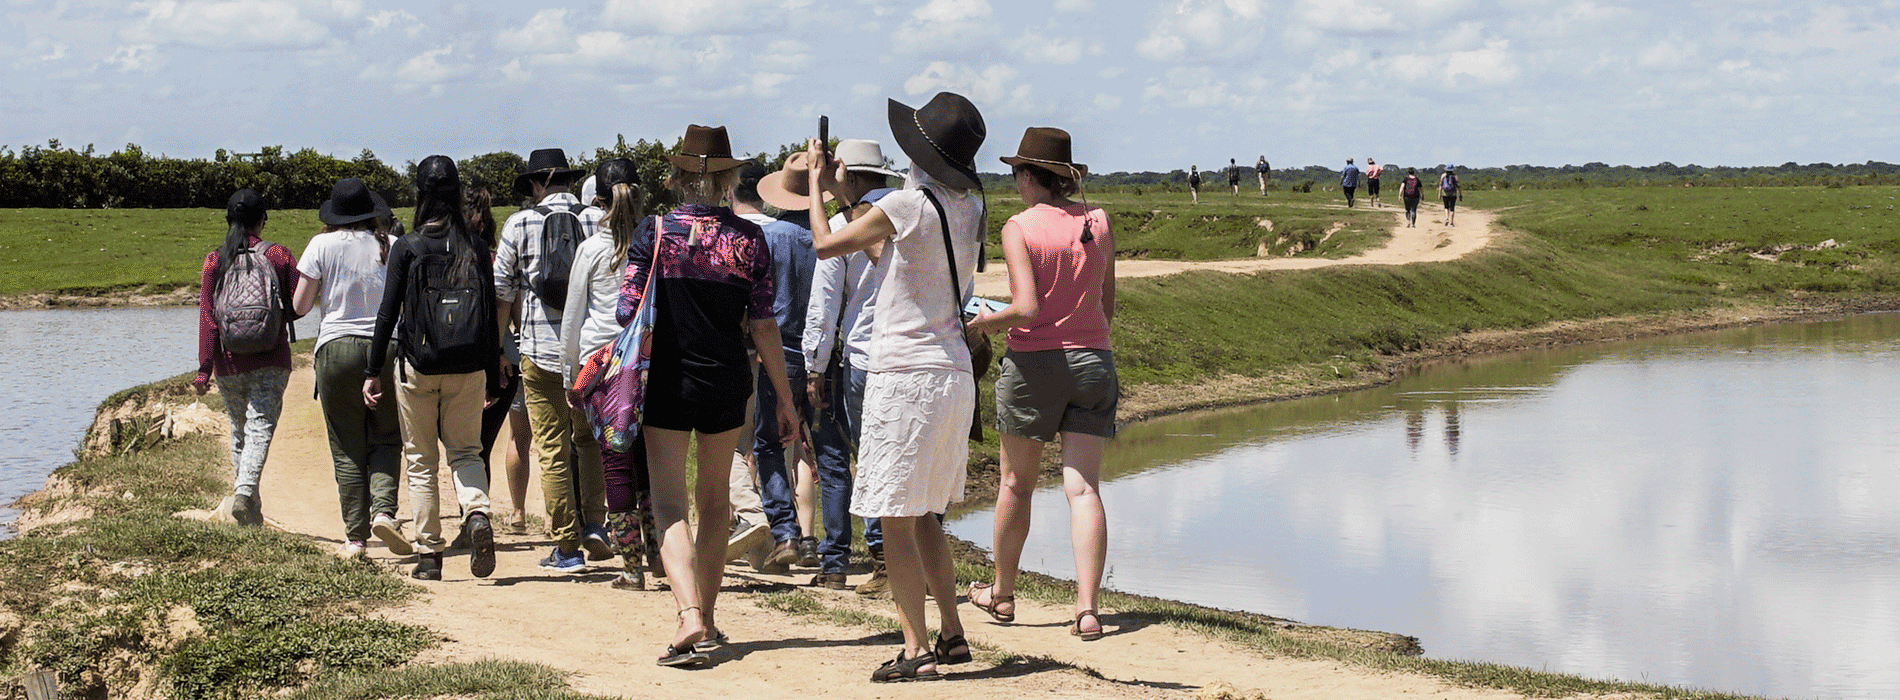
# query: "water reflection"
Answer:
x=1713 y=510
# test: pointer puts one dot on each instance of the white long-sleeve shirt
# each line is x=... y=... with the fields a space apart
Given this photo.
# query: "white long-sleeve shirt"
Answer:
x=843 y=295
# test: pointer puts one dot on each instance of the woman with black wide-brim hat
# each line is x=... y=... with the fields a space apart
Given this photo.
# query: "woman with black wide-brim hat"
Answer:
x=920 y=391
x=714 y=288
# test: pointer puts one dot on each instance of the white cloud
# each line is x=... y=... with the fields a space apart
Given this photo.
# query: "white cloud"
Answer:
x=1489 y=65
x=388 y=19
x=247 y=24
x=1075 y=5
x=692 y=16
x=133 y=58
x=787 y=54
x=515 y=74
x=1187 y=87
x=989 y=85
x=430 y=69
x=53 y=53
x=547 y=28
x=1672 y=52
x=1198 y=25
x=943 y=24
x=1107 y=102
x=1041 y=48
x=1346 y=17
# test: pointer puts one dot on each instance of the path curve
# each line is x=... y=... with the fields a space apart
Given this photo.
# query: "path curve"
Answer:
x=1430 y=241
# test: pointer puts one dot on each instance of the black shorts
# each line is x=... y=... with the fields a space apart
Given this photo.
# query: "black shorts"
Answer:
x=1372 y=187
x=670 y=412
x=1451 y=203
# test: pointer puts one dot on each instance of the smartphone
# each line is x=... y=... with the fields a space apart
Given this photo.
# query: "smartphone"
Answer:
x=824 y=136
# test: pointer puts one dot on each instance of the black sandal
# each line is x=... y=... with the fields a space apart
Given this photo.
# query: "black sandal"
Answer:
x=713 y=641
x=902 y=670
x=687 y=654
x=944 y=656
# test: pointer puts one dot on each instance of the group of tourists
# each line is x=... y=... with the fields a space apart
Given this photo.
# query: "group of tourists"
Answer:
x=1411 y=189
x=1261 y=170
x=621 y=340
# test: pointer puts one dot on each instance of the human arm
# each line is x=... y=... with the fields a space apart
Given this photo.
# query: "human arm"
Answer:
x=861 y=232
x=1025 y=302
x=287 y=279
x=580 y=288
x=1107 y=241
x=395 y=283
x=306 y=296
x=207 y=328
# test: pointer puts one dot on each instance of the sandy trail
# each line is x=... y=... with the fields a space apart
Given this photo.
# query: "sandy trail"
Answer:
x=1431 y=241
x=608 y=638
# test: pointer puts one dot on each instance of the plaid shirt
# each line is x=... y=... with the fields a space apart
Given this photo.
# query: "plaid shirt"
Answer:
x=515 y=260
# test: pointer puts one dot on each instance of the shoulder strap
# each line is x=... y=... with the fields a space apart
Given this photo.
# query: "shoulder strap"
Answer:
x=949 y=250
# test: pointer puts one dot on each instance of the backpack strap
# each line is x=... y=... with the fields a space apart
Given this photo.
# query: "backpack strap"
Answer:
x=950 y=252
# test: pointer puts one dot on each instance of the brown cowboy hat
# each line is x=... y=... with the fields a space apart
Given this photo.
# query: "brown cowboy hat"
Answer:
x=790 y=187
x=941 y=137
x=705 y=150
x=1047 y=148
x=545 y=162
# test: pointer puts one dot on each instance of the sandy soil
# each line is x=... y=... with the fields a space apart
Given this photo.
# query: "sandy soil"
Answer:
x=1431 y=241
x=608 y=638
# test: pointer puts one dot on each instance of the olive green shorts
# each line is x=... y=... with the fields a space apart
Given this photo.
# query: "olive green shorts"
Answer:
x=1042 y=393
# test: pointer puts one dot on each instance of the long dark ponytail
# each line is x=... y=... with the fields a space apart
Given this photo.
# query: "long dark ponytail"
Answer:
x=439 y=204
x=245 y=215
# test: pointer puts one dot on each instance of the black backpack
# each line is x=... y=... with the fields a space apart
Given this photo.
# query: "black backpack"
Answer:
x=561 y=236
x=442 y=321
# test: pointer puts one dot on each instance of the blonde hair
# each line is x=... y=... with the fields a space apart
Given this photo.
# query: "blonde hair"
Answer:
x=703 y=188
x=623 y=217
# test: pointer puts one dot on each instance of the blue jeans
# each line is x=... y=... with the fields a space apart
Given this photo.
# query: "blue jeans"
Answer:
x=836 y=440
x=775 y=484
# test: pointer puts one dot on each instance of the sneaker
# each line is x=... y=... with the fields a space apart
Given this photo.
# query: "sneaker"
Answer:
x=564 y=562
x=808 y=553
x=630 y=581
x=833 y=580
x=745 y=536
x=428 y=568
x=246 y=510
x=354 y=549
x=595 y=540
x=481 y=543
x=385 y=528
x=781 y=558
x=877 y=586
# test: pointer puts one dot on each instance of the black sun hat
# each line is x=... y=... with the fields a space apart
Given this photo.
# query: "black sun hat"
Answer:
x=351 y=201
x=941 y=137
x=545 y=162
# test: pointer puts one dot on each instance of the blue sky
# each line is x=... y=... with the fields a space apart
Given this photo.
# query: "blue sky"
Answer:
x=1142 y=84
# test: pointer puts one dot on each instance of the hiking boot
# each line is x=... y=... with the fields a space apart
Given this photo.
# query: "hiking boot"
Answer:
x=808 y=553
x=385 y=528
x=428 y=567
x=481 y=542
x=564 y=562
x=594 y=539
x=246 y=510
x=780 y=560
x=878 y=586
x=833 y=580
x=631 y=580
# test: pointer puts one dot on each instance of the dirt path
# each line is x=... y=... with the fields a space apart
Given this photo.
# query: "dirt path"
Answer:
x=1431 y=241
x=608 y=638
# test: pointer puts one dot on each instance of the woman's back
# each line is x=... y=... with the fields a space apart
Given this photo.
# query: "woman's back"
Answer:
x=1069 y=276
x=919 y=324
x=348 y=265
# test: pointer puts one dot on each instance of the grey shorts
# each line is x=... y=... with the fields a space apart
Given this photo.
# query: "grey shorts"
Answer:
x=1042 y=393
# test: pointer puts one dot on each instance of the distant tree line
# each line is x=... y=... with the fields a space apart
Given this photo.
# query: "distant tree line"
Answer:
x=54 y=176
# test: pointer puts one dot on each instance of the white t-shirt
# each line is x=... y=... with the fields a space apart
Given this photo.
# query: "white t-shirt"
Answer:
x=349 y=272
x=918 y=325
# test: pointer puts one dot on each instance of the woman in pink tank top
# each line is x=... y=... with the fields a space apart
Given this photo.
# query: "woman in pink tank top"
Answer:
x=1058 y=376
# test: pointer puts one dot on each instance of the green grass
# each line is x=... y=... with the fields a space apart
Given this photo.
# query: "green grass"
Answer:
x=480 y=680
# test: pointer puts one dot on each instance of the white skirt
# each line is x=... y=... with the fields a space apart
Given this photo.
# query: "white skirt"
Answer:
x=914 y=445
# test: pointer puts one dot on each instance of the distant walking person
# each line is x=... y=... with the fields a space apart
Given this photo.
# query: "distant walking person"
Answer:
x=244 y=316
x=344 y=267
x=1373 y=169
x=1349 y=180
x=1263 y=172
x=1409 y=191
x=1233 y=177
x=1058 y=377
x=1449 y=192
x=1194 y=182
x=438 y=287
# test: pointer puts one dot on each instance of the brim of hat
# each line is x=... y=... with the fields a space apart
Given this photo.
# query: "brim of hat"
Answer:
x=713 y=163
x=564 y=175
x=911 y=139
x=1057 y=168
x=878 y=169
x=772 y=189
x=331 y=218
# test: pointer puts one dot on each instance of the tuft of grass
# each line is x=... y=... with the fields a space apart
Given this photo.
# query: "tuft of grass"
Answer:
x=480 y=680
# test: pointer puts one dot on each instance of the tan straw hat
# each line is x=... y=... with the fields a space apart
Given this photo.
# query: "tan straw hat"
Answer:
x=789 y=188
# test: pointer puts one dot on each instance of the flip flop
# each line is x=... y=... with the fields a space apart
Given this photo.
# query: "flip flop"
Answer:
x=683 y=656
x=995 y=600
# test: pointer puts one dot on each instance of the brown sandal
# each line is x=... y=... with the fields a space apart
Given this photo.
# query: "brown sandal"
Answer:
x=1091 y=635
x=995 y=600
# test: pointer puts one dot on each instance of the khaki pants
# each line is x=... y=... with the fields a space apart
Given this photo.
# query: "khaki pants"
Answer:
x=556 y=427
x=444 y=409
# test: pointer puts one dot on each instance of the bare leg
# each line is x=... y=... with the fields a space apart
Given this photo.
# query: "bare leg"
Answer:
x=940 y=576
x=515 y=463
x=805 y=493
x=666 y=465
x=1088 y=523
x=712 y=500
x=1022 y=459
x=903 y=560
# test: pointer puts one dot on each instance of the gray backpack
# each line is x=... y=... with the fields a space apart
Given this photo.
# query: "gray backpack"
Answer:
x=248 y=307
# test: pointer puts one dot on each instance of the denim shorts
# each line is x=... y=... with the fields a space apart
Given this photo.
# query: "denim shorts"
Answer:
x=1040 y=394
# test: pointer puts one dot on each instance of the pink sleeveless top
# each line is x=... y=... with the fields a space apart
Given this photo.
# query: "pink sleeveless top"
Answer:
x=1069 y=275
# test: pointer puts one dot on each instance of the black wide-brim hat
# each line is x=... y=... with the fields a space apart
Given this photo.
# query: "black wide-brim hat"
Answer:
x=941 y=137
x=1047 y=148
x=545 y=162
x=351 y=201
x=706 y=149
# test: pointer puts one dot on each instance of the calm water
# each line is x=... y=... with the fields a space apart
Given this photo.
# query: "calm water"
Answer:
x=63 y=363
x=1719 y=510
